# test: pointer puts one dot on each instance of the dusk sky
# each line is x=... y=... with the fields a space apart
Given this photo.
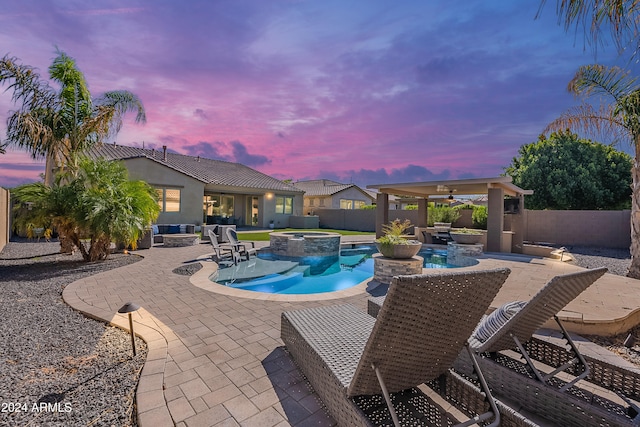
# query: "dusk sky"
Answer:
x=364 y=91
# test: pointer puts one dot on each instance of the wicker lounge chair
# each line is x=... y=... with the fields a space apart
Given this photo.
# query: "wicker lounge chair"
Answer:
x=241 y=248
x=547 y=303
x=552 y=298
x=426 y=320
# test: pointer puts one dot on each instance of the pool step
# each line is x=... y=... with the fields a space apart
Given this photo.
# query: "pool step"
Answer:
x=271 y=282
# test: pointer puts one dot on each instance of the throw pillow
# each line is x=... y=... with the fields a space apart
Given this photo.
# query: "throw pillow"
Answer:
x=491 y=323
x=174 y=229
x=155 y=229
x=183 y=228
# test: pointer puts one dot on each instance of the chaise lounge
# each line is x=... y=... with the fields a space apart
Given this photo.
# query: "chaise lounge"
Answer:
x=350 y=358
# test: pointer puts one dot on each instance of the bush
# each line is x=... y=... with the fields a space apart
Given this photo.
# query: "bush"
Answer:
x=441 y=214
x=479 y=217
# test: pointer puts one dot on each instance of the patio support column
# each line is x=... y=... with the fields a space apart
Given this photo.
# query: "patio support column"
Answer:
x=382 y=212
x=495 y=219
x=422 y=213
x=517 y=226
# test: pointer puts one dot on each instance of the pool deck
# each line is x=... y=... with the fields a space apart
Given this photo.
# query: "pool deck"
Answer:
x=216 y=358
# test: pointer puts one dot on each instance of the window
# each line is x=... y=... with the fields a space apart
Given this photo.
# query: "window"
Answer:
x=218 y=206
x=284 y=205
x=351 y=204
x=312 y=202
x=169 y=199
x=346 y=204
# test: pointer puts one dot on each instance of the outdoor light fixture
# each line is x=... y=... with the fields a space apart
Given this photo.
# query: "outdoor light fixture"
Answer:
x=129 y=308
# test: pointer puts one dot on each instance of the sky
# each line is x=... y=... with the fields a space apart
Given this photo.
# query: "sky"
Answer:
x=357 y=91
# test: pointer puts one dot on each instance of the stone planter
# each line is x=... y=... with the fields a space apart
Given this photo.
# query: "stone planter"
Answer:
x=465 y=238
x=400 y=251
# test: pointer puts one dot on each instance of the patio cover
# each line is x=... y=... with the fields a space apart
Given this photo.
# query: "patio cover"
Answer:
x=496 y=188
x=459 y=187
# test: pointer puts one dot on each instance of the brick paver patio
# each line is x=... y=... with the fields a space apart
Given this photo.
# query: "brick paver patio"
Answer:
x=217 y=360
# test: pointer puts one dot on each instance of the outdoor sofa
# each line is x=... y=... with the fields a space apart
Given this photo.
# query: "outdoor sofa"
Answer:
x=159 y=230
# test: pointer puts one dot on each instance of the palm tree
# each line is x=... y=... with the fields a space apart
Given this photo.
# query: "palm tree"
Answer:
x=618 y=117
x=92 y=207
x=59 y=124
x=619 y=17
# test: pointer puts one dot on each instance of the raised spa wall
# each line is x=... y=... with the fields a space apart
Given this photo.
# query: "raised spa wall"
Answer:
x=295 y=244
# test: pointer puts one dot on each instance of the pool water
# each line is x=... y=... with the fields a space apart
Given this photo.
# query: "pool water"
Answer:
x=310 y=275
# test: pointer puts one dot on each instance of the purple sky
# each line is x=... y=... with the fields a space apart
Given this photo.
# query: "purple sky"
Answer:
x=364 y=91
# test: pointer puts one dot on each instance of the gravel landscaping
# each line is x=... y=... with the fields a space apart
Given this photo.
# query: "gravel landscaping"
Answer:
x=58 y=367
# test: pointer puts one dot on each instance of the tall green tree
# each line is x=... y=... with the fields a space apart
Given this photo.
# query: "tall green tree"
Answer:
x=597 y=18
x=566 y=172
x=58 y=123
x=93 y=207
x=617 y=115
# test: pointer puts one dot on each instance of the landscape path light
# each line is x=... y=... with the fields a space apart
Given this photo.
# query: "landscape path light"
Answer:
x=129 y=308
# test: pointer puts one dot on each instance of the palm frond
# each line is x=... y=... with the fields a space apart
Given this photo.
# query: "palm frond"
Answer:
x=596 y=79
x=602 y=124
x=620 y=18
x=123 y=102
x=29 y=90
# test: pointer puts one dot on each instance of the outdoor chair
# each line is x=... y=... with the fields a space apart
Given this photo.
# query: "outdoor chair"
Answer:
x=222 y=252
x=350 y=358
x=542 y=393
x=513 y=332
x=240 y=248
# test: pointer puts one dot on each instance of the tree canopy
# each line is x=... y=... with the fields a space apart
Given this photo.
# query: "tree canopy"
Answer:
x=567 y=172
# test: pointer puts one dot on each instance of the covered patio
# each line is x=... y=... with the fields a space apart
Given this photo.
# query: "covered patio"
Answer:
x=496 y=189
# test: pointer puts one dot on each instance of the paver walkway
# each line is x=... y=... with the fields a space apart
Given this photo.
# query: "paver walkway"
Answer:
x=217 y=360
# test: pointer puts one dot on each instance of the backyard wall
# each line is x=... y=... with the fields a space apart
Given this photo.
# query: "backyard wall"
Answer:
x=4 y=217
x=608 y=229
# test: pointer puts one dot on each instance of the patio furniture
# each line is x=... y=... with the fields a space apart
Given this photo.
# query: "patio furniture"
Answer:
x=160 y=230
x=519 y=328
x=350 y=358
x=240 y=247
x=222 y=252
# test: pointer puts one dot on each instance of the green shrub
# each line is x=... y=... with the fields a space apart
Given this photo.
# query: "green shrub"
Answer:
x=441 y=214
x=479 y=217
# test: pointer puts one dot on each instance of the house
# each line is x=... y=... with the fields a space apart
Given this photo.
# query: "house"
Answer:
x=327 y=194
x=197 y=190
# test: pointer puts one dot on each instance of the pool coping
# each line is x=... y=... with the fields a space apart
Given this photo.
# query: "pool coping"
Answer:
x=201 y=280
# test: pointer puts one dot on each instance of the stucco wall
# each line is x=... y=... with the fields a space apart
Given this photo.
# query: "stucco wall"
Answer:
x=607 y=229
x=157 y=175
x=4 y=217
x=269 y=207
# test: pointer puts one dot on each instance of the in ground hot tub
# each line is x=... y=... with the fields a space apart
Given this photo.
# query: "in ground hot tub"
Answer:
x=305 y=243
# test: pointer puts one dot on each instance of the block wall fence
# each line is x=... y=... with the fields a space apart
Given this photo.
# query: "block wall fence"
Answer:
x=607 y=229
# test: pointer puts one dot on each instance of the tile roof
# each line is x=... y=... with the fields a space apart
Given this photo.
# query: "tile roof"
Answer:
x=323 y=187
x=209 y=171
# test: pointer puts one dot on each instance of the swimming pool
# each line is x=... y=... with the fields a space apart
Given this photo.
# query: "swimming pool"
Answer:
x=276 y=274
